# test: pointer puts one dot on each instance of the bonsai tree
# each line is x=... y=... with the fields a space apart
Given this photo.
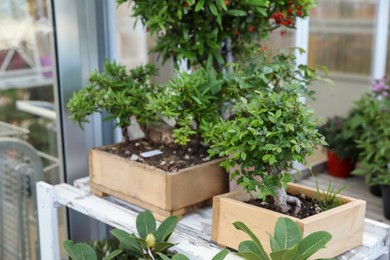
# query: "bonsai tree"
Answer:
x=270 y=130
x=120 y=93
x=209 y=33
x=189 y=100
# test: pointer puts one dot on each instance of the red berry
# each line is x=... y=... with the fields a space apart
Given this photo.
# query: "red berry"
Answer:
x=289 y=11
x=235 y=32
x=251 y=28
x=299 y=7
x=186 y=4
x=299 y=13
x=226 y=2
x=283 y=32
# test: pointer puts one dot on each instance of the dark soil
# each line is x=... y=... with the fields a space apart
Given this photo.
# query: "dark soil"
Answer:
x=171 y=159
x=309 y=205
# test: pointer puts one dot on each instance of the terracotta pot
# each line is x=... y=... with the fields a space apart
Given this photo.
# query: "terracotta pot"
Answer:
x=386 y=200
x=338 y=167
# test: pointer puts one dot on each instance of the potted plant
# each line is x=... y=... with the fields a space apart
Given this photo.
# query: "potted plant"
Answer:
x=153 y=173
x=210 y=33
x=341 y=150
x=364 y=123
x=270 y=129
x=374 y=141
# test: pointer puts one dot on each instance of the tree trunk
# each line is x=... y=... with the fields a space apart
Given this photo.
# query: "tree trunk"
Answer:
x=283 y=201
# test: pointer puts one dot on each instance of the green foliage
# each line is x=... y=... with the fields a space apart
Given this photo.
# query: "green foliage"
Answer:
x=269 y=131
x=268 y=71
x=151 y=243
x=191 y=100
x=328 y=199
x=198 y=30
x=370 y=119
x=80 y=251
x=117 y=91
x=340 y=137
x=286 y=244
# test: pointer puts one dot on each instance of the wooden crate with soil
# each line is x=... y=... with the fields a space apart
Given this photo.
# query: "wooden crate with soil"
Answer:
x=345 y=222
x=172 y=183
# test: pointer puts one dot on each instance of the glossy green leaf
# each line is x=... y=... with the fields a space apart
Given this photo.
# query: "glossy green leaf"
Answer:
x=180 y=257
x=235 y=12
x=145 y=223
x=250 y=256
x=166 y=228
x=312 y=243
x=127 y=241
x=221 y=255
x=113 y=254
x=284 y=254
x=199 y=5
x=241 y=226
x=287 y=233
x=249 y=246
x=162 y=246
x=81 y=251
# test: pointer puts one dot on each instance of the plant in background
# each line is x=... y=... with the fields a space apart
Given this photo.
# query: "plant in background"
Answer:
x=287 y=242
x=210 y=32
x=120 y=93
x=151 y=243
x=268 y=133
x=340 y=138
x=370 y=120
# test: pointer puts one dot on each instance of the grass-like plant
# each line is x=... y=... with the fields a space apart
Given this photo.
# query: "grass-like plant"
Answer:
x=327 y=199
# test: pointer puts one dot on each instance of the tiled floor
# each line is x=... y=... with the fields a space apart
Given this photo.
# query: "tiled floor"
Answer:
x=357 y=189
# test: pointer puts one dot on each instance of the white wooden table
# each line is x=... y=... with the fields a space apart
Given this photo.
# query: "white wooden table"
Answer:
x=192 y=233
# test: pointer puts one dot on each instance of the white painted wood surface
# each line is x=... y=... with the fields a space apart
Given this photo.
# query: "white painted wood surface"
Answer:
x=192 y=232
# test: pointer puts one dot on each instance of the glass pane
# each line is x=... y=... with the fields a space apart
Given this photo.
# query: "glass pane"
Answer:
x=341 y=38
x=27 y=101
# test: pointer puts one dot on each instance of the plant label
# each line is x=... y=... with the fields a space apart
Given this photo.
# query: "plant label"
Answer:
x=151 y=153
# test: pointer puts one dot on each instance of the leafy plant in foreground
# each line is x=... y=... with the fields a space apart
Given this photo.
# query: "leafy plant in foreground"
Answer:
x=286 y=244
x=151 y=242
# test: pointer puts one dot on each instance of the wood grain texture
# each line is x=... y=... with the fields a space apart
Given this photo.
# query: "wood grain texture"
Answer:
x=345 y=223
x=163 y=193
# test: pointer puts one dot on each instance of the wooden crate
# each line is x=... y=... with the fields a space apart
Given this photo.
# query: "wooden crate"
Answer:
x=163 y=193
x=345 y=223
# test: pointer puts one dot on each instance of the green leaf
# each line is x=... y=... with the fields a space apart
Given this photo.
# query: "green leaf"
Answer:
x=145 y=223
x=180 y=257
x=197 y=100
x=250 y=256
x=266 y=157
x=272 y=159
x=243 y=155
x=80 y=251
x=241 y=226
x=163 y=257
x=311 y=244
x=213 y=9
x=221 y=255
x=166 y=228
x=235 y=12
x=249 y=246
x=284 y=254
x=113 y=254
x=287 y=233
x=274 y=244
x=258 y=2
x=278 y=114
x=127 y=241
x=199 y=5
x=162 y=246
